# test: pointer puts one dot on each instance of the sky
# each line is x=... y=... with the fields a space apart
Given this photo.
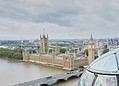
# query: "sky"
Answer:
x=61 y=19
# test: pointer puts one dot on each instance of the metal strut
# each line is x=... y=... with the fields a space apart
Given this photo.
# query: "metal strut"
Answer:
x=116 y=61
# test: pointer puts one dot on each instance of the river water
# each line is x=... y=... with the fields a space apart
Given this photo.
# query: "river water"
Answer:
x=14 y=72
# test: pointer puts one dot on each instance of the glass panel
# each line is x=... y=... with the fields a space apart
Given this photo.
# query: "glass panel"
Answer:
x=104 y=80
x=105 y=64
x=86 y=79
x=117 y=54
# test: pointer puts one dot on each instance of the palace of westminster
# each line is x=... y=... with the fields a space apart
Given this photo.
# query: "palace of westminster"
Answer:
x=69 y=60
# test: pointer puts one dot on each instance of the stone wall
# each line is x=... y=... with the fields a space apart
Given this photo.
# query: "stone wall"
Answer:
x=64 y=62
x=80 y=62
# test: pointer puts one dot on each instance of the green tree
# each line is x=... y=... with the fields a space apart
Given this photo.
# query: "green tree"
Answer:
x=86 y=52
x=8 y=53
x=105 y=51
x=50 y=50
x=62 y=50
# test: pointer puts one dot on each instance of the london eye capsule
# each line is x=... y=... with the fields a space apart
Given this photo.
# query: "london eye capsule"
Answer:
x=104 y=71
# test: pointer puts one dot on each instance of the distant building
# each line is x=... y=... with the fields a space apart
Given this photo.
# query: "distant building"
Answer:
x=44 y=43
x=52 y=56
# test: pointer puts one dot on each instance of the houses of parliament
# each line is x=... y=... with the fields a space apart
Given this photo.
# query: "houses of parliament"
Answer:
x=67 y=61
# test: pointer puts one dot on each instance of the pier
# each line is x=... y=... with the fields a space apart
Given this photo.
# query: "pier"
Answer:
x=51 y=80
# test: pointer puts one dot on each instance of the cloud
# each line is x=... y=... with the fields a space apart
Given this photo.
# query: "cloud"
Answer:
x=62 y=18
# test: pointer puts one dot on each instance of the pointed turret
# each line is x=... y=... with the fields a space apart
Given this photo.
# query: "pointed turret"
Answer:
x=44 y=42
x=91 y=49
x=91 y=38
x=91 y=41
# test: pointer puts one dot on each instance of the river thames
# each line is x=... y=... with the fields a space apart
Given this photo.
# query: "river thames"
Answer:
x=14 y=72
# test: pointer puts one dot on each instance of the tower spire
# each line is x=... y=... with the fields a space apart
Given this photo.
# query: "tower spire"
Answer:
x=91 y=37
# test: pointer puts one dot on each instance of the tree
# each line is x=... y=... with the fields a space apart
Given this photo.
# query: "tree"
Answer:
x=105 y=51
x=62 y=50
x=50 y=50
x=8 y=53
x=86 y=52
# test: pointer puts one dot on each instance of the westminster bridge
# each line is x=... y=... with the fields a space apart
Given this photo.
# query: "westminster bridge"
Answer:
x=51 y=80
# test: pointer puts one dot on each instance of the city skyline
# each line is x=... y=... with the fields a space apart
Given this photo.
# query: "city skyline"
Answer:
x=25 y=19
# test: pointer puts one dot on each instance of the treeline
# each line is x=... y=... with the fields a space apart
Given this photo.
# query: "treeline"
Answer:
x=11 y=53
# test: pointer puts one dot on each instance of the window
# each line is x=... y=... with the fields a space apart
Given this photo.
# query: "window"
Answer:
x=86 y=79
x=106 y=80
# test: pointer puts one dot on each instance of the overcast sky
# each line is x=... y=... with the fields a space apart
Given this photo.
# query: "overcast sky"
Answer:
x=62 y=19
